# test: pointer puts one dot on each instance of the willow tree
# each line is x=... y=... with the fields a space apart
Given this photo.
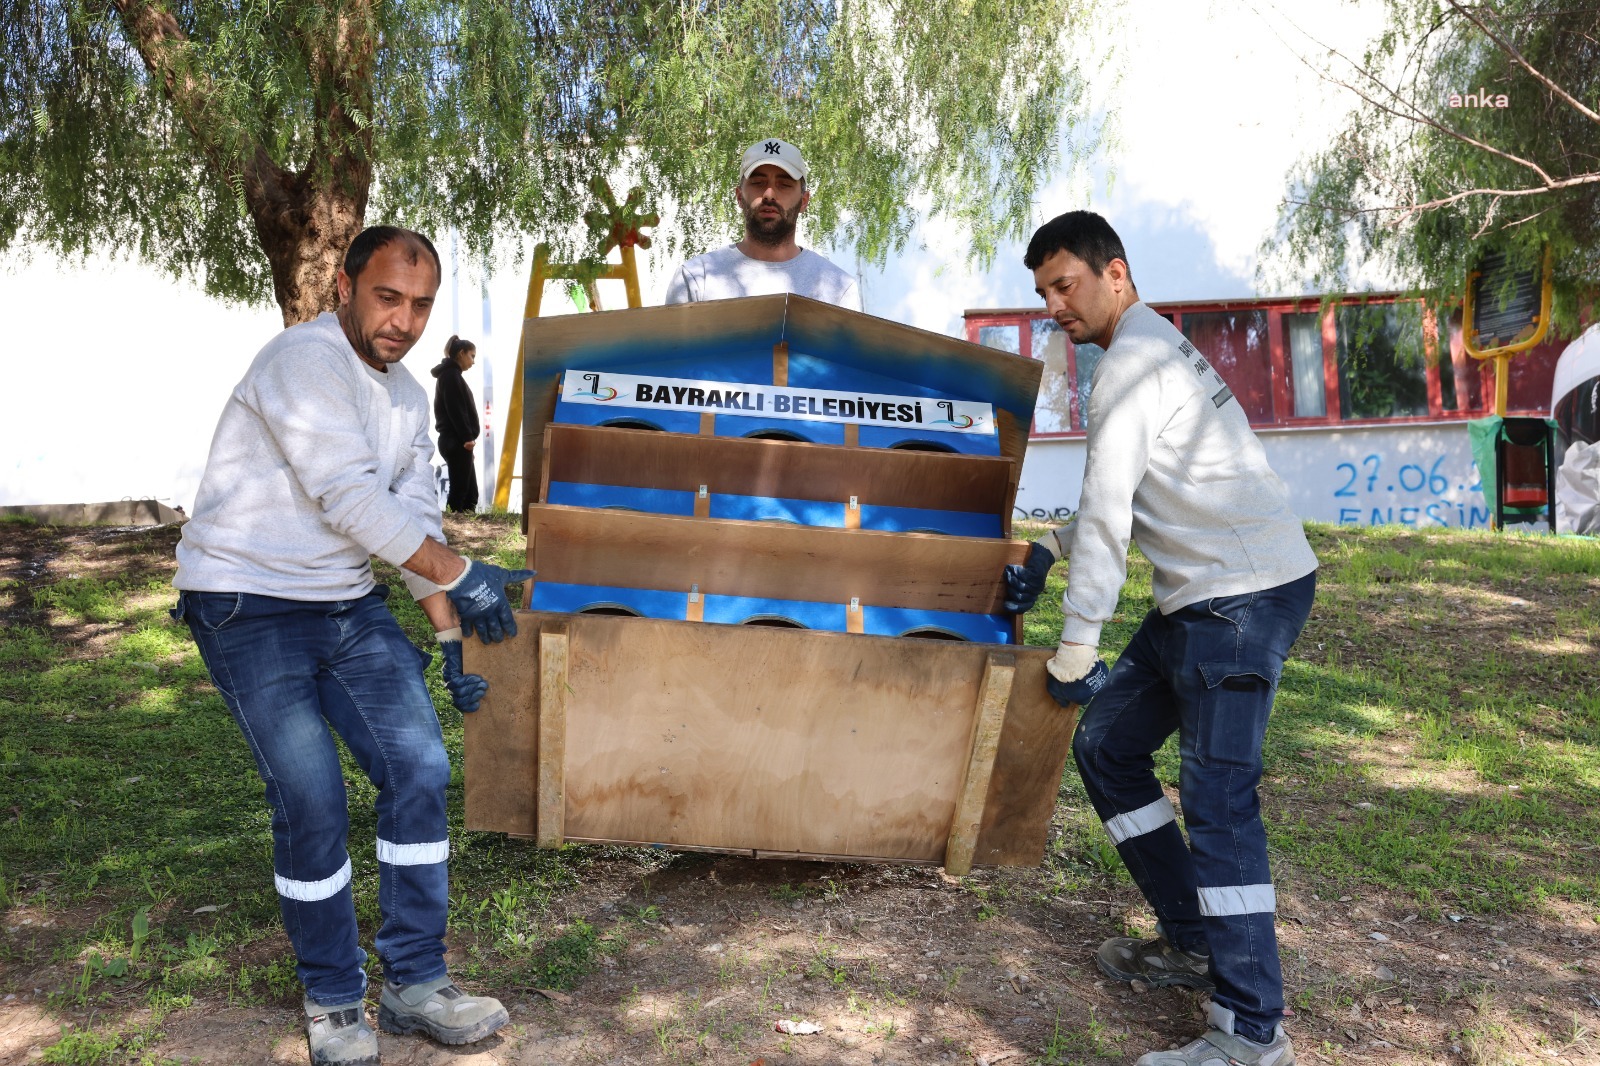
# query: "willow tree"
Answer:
x=243 y=143
x=1476 y=129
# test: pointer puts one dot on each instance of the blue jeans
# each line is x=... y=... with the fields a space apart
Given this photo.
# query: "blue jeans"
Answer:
x=290 y=671
x=1208 y=671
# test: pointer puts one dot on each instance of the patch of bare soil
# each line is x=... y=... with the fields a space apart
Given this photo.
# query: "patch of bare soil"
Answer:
x=898 y=964
x=901 y=965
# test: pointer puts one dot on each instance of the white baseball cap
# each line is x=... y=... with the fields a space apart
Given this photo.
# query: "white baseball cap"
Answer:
x=780 y=154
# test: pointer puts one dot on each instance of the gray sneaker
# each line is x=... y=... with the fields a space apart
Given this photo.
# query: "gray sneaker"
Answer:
x=1154 y=961
x=441 y=1010
x=1221 y=1046
x=340 y=1036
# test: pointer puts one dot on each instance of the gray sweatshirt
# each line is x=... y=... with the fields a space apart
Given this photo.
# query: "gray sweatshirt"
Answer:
x=1173 y=463
x=727 y=273
x=319 y=462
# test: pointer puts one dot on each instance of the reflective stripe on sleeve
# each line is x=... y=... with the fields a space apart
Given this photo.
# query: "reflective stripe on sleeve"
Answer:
x=1238 y=899
x=1146 y=819
x=311 y=891
x=413 y=854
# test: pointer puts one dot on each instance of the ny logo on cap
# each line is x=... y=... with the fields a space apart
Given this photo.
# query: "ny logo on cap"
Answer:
x=774 y=148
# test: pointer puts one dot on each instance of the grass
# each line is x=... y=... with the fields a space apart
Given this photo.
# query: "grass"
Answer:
x=1444 y=700
x=1437 y=734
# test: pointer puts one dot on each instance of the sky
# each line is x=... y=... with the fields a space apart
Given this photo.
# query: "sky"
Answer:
x=116 y=374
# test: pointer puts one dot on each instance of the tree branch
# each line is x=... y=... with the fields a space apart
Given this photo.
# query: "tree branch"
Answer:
x=1510 y=50
x=1411 y=112
x=156 y=35
x=1407 y=210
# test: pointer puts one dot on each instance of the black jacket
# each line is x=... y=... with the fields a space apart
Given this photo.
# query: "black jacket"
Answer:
x=455 y=413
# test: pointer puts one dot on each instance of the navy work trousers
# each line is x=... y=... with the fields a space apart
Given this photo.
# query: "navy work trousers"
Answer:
x=1208 y=672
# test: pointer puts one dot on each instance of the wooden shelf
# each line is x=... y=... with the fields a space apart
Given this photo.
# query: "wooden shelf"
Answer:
x=583 y=546
x=638 y=458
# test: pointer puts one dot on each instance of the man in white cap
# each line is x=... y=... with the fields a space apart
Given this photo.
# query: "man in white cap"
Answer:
x=771 y=194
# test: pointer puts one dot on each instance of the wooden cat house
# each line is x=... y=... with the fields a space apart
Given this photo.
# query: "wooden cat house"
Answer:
x=769 y=536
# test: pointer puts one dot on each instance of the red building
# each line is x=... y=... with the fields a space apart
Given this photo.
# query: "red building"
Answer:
x=1375 y=359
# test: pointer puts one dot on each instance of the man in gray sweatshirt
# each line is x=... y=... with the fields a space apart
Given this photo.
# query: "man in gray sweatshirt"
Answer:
x=1173 y=465
x=320 y=461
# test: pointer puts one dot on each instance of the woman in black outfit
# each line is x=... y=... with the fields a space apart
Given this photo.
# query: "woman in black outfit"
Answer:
x=455 y=416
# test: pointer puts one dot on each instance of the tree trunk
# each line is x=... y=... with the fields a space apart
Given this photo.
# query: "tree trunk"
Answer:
x=304 y=220
x=304 y=226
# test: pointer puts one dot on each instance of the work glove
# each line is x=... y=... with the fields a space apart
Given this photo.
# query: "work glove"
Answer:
x=1076 y=674
x=1024 y=581
x=466 y=690
x=479 y=597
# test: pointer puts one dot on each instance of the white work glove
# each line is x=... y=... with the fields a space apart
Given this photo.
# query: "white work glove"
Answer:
x=1076 y=674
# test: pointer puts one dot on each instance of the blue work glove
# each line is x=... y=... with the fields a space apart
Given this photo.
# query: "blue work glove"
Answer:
x=466 y=690
x=479 y=597
x=1075 y=674
x=1024 y=581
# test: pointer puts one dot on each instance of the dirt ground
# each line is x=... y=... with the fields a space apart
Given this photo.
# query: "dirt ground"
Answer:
x=898 y=964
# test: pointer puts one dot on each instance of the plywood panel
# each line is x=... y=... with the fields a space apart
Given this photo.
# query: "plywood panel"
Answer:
x=774 y=741
x=501 y=738
x=725 y=736
x=994 y=692
x=604 y=455
x=639 y=337
x=948 y=365
x=768 y=559
x=1034 y=746
x=553 y=689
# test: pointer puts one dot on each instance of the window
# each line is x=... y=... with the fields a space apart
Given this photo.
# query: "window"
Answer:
x=1383 y=370
x=1236 y=344
x=1007 y=338
x=1305 y=362
x=1053 y=411
x=1088 y=357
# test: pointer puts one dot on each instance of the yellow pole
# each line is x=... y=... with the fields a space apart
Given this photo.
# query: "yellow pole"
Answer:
x=630 y=276
x=1502 y=382
x=513 y=435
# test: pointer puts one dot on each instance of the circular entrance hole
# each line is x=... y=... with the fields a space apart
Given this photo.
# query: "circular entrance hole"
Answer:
x=933 y=633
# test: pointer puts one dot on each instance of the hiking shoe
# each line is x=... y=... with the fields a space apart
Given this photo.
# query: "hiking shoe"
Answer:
x=441 y=1010
x=1154 y=961
x=1221 y=1046
x=340 y=1036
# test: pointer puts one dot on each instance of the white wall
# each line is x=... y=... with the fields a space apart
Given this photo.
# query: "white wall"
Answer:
x=1414 y=475
x=115 y=375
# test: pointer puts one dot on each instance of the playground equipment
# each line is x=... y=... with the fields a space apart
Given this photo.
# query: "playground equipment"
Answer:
x=614 y=226
x=1507 y=312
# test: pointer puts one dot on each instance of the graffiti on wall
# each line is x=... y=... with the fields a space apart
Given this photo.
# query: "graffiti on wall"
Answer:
x=1053 y=515
x=1412 y=475
x=1378 y=491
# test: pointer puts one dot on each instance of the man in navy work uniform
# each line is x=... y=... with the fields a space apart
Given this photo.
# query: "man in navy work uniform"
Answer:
x=1173 y=464
x=772 y=193
x=320 y=461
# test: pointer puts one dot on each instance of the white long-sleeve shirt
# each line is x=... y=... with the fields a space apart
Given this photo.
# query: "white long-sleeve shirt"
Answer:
x=318 y=463
x=1172 y=463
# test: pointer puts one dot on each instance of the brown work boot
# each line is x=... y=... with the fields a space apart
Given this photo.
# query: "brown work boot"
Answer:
x=1155 y=962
